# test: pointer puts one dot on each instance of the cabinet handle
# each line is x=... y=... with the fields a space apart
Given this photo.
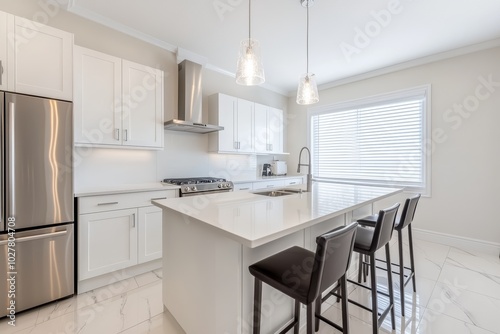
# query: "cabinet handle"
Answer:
x=155 y=199
x=126 y=135
x=239 y=145
x=244 y=188
x=107 y=203
x=1 y=72
x=270 y=185
x=117 y=134
x=292 y=183
x=235 y=145
x=133 y=220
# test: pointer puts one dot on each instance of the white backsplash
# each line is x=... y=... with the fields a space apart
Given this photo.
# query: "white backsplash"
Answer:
x=103 y=167
x=234 y=167
x=185 y=155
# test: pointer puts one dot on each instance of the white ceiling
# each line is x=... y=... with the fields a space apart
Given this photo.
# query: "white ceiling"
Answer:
x=415 y=29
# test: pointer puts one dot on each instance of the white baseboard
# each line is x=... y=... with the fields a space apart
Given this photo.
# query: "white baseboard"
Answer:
x=119 y=275
x=457 y=241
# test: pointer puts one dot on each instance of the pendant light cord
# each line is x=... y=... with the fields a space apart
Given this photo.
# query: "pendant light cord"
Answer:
x=249 y=20
x=307 y=41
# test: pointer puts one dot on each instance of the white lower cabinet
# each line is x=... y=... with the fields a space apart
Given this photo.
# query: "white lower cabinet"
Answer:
x=107 y=242
x=118 y=231
x=149 y=233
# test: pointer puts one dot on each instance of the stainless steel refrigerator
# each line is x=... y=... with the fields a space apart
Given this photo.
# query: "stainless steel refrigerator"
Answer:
x=36 y=201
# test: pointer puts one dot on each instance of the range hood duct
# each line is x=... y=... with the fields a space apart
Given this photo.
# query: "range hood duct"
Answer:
x=190 y=117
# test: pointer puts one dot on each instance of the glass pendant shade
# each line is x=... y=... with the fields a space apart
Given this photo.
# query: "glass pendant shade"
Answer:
x=250 y=71
x=307 y=93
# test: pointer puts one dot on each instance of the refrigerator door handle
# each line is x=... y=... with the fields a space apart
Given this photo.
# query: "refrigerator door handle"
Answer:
x=11 y=157
x=36 y=237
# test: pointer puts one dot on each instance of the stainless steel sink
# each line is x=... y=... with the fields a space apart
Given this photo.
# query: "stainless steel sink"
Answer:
x=279 y=192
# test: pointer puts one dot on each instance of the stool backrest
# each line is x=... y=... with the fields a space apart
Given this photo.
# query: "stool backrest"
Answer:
x=384 y=227
x=332 y=258
x=408 y=211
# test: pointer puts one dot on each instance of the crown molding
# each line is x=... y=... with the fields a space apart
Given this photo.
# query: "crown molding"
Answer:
x=412 y=63
x=92 y=16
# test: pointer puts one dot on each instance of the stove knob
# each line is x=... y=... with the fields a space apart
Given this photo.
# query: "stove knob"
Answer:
x=193 y=188
x=226 y=185
x=186 y=189
x=220 y=185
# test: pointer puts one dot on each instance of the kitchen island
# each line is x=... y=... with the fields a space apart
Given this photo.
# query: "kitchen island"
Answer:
x=210 y=240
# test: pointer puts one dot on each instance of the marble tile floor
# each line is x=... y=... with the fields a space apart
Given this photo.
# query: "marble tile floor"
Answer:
x=457 y=292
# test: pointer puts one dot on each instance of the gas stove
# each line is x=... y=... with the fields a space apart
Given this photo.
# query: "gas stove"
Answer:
x=200 y=185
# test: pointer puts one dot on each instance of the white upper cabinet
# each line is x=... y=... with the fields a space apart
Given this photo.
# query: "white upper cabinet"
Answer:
x=248 y=127
x=117 y=102
x=40 y=59
x=3 y=51
x=97 y=107
x=268 y=129
x=237 y=118
x=142 y=105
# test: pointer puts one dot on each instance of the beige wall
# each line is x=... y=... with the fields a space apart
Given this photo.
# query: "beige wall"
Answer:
x=466 y=155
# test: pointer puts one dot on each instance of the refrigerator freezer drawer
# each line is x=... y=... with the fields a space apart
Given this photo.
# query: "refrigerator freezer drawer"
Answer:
x=44 y=263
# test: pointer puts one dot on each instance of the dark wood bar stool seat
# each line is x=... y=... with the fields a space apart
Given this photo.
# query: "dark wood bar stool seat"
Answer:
x=403 y=222
x=318 y=272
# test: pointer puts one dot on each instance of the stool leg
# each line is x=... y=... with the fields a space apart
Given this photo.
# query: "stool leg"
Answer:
x=373 y=277
x=345 y=312
x=297 y=317
x=390 y=286
x=339 y=292
x=318 y=311
x=361 y=267
x=401 y=273
x=310 y=316
x=257 y=300
x=412 y=260
x=365 y=269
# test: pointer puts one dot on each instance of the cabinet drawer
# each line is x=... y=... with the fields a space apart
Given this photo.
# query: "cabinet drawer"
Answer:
x=243 y=186
x=291 y=182
x=268 y=184
x=120 y=201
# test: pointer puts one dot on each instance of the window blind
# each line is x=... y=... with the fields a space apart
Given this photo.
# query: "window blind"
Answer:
x=381 y=143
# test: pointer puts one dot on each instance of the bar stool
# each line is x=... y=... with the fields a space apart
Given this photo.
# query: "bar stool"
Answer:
x=405 y=220
x=367 y=242
x=319 y=271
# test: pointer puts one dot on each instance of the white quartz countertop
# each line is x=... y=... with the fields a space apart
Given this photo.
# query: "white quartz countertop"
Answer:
x=254 y=220
x=126 y=188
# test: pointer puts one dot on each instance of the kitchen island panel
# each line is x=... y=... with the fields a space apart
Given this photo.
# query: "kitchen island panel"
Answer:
x=202 y=280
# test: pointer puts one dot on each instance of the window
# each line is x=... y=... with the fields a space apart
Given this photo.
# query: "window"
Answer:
x=374 y=141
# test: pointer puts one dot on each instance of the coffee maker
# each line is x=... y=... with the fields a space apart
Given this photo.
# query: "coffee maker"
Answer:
x=266 y=170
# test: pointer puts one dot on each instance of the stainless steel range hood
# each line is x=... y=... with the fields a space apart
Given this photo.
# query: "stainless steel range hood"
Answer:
x=190 y=109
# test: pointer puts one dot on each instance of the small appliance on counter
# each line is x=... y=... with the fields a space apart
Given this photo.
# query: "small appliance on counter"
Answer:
x=266 y=170
x=278 y=167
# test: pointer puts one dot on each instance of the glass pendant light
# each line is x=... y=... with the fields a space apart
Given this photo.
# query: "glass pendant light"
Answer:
x=307 y=92
x=250 y=70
